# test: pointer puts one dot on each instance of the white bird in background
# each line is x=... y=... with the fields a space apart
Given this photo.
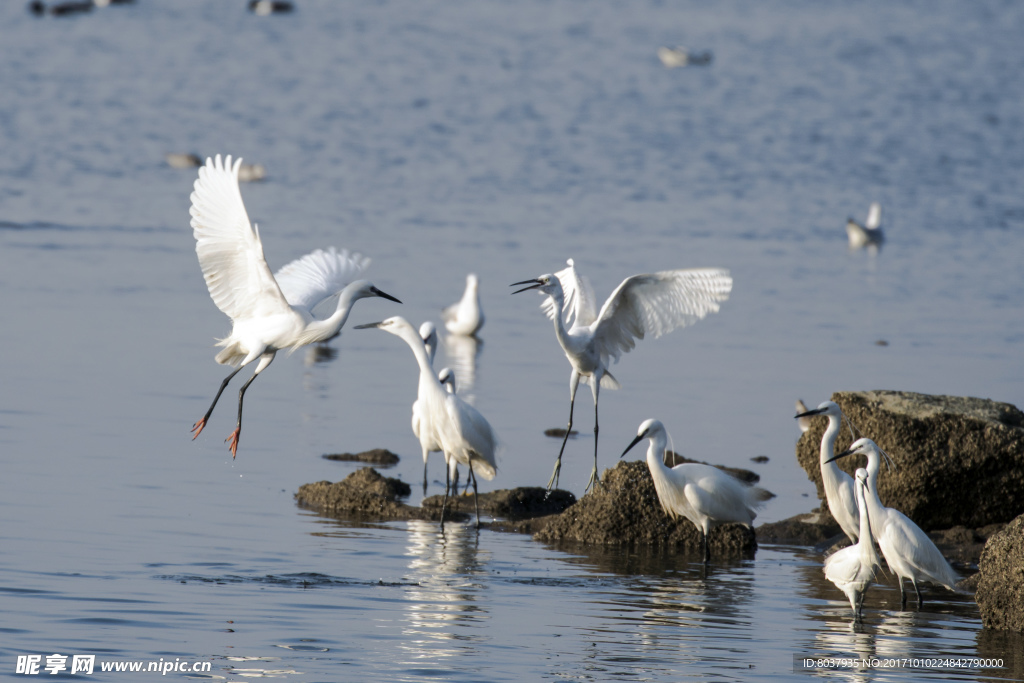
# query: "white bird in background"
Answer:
x=672 y=57
x=464 y=434
x=428 y=444
x=703 y=494
x=803 y=421
x=907 y=549
x=655 y=304
x=852 y=569
x=267 y=313
x=465 y=317
x=869 y=234
x=838 y=485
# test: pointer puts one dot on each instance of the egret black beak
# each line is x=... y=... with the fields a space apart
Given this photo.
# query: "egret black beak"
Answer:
x=534 y=284
x=638 y=439
x=810 y=413
x=367 y=326
x=841 y=455
x=384 y=295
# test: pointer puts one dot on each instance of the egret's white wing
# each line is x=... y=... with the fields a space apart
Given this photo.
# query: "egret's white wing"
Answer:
x=917 y=550
x=229 y=247
x=308 y=280
x=656 y=304
x=580 y=305
x=476 y=433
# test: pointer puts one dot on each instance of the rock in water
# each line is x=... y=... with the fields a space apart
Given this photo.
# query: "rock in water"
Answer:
x=1000 y=594
x=625 y=510
x=960 y=461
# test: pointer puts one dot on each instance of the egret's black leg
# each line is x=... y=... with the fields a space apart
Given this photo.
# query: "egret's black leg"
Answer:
x=197 y=428
x=234 y=436
x=558 y=462
x=444 y=503
x=595 y=480
x=903 y=596
x=918 y=591
x=476 y=495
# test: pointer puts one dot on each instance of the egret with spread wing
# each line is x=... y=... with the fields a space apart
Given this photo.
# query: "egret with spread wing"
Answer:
x=654 y=303
x=267 y=313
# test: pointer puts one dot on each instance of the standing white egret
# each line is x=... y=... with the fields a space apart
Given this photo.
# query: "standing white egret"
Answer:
x=703 y=494
x=655 y=303
x=869 y=234
x=428 y=444
x=838 y=485
x=907 y=549
x=465 y=317
x=464 y=434
x=267 y=313
x=852 y=568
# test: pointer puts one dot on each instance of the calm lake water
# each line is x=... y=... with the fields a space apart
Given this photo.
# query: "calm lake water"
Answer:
x=501 y=139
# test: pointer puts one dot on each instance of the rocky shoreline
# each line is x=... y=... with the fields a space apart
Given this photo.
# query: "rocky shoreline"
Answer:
x=977 y=523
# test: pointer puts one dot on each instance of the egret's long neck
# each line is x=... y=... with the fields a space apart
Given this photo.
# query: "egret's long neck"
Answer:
x=874 y=465
x=865 y=540
x=873 y=506
x=427 y=377
x=321 y=330
x=656 y=454
x=560 y=332
x=828 y=441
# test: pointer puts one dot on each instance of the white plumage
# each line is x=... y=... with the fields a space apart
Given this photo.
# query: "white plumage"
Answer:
x=428 y=444
x=703 y=494
x=852 y=569
x=907 y=549
x=839 y=489
x=267 y=315
x=869 y=234
x=464 y=435
x=466 y=316
x=653 y=304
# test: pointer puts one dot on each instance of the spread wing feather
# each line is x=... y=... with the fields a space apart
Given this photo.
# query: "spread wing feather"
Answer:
x=308 y=280
x=656 y=304
x=580 y=307
x=229 y=247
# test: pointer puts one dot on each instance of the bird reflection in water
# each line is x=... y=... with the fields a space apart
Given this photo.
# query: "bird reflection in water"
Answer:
x=445 y=604
x=462 y=352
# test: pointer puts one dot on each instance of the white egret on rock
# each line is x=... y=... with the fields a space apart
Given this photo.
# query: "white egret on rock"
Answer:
x=838 y=485
x=852 y=569
x=907 y=549
x=654 y=303
x=268 y=313
x=465 y=317
x=705 y=495
x=464 y=434
x=869 y=234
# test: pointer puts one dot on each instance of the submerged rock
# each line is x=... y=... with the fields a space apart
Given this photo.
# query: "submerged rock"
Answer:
x=364 y=493
x=1000 y=593
x=625 y=510
x=960 y=461
x=525 y=502
x=376 y=456
x=815 y=528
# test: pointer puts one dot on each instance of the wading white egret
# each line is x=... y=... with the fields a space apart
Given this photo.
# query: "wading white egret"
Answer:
x=654 y=303
x=852 y=569
x=267 y=313
x=839 y=492
x=869 y=234
x=428 y=333
x=464 y=434
x=907 y=549
x=703 y=494
x=465 y=317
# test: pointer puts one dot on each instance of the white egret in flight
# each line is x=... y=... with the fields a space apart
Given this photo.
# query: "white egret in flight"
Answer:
x=703 y=494
x=654 y=303
x=268 y=313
